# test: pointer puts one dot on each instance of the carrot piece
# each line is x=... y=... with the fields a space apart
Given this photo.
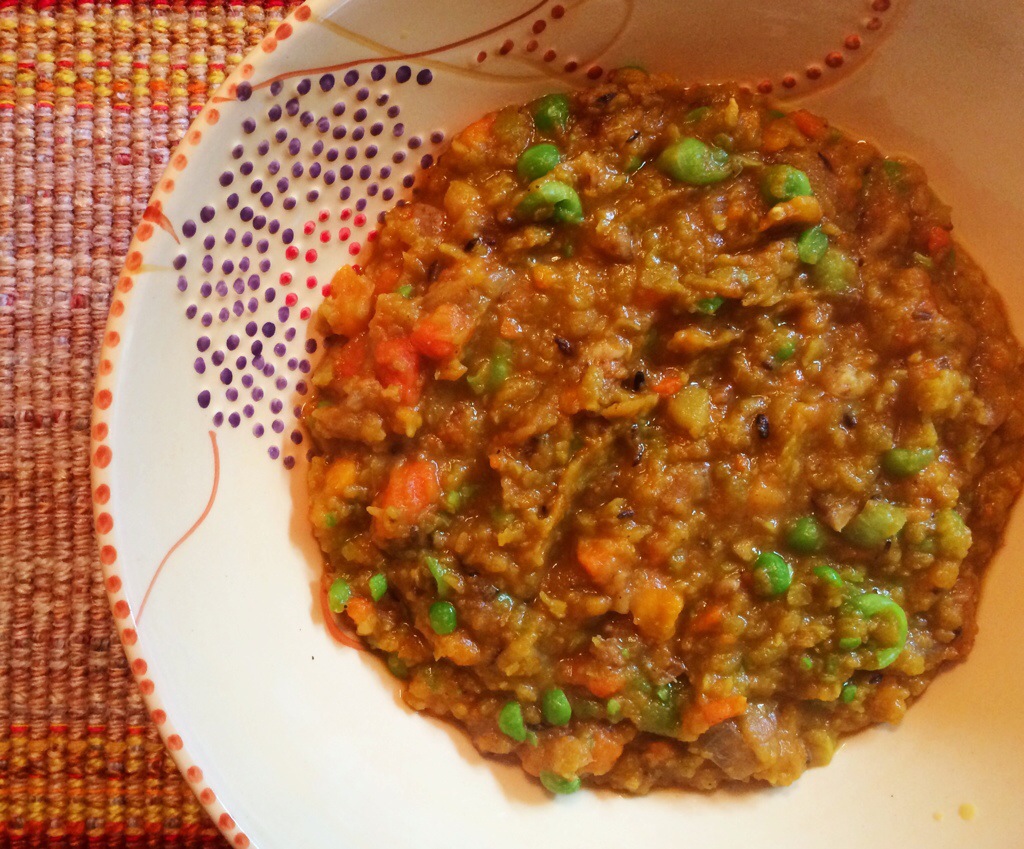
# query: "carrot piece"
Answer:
x=440 y=334
x=411 y=490
x=719 y=710
x=708 y=620
x=359 y=609
x=478 y=133
x=581 y=670
x=398 y=364
x=604 y=685
x=670 y=384
x=601 y=558
x=809 y=124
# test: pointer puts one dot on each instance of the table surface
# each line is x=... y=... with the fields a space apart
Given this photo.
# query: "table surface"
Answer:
x=93 y=98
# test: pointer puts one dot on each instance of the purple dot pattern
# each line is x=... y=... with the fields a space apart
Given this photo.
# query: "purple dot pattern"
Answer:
x=289 y=207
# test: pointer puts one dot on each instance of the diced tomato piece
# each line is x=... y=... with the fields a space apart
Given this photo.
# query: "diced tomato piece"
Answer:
x=939 y=242
x=412 y=489
x=398 y=364
x=809 y=124
x=351 y=357
x=440 y=334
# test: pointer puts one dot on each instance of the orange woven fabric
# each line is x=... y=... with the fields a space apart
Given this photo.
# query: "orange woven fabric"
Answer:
x=93 y=98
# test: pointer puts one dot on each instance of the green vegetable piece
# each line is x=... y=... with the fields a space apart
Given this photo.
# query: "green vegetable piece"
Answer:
x=338 y=595
x=772 y=574
x=806 y=535
x=510 y=721
x=893 y=169
x=551 y=112
x=439 y=572
x=926 y=262
x=884 y=611
x=694 y=115
x=785 y=351
x=330 y=520
x=494 y=372
x=536 y=161
x=775 y=114
x=806 y=663
x=829 y=575
x=551 y=200
x=614 y=707
x=398 y=667
x=906 y=462
x=848 y=693
x=405 y=290
x=811 y=245
x=877 y=522
x=555 y=707
x=378 y=586
x=635 y=164
x=709 y=306
x=835 y=272
x=850 y=643
x=784 y=182
x=443 y=618
x=691 y=161
x=554 y=783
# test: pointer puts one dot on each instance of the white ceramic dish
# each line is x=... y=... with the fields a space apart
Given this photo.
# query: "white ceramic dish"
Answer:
x=292 y=740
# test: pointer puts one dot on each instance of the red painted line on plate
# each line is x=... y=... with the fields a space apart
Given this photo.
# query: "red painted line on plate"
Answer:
x=190 y=531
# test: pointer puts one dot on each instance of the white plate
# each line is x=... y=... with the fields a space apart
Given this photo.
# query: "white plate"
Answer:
x=292 y=740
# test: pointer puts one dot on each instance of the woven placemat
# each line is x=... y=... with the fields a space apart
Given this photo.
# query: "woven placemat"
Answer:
x=93 y=98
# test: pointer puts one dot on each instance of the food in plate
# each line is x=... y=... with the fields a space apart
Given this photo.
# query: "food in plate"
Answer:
x=664 y=438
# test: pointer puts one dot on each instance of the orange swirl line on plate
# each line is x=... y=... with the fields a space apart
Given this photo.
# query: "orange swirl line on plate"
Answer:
x=417 y=55
x=190 y=531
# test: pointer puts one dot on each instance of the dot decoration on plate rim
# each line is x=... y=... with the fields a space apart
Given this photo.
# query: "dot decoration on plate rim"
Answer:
x=311 y=154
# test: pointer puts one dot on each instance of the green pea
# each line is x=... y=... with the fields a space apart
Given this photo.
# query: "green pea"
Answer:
x=614 y=707
x=691 y=161
x=806 y=535
x=811 y=245
x=785 y=352
x=806 y=663
x=443 y=618
x=877 y=522
x=835 y=272
x=850 y=643
x=398 y=667
x=829 y=575
x=848 y=693
x=555 y=706
x=378 y=586
x=338 y=595
x=536 y=161
x=330 y=520
x=694 y=115
x=511 y=723
x=906 y=462
x=554 y=783
x=635 y=164
x=405 y=290
x=784 y=182
x=439 y=572
x=551 y=111
x=709 y=306
x=772 y=574
x=893 y=169
x=875 y=606
x=551 y=200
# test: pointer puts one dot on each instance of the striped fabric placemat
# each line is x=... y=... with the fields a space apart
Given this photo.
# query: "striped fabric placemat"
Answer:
x=93 y=98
